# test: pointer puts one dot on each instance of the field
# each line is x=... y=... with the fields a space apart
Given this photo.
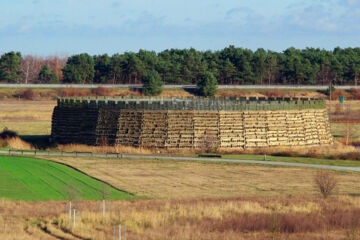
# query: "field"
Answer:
x=192 y=200
x=180 y=199
x=32 y=179
x=258 y=218
x=182 y=179
x=27 y=117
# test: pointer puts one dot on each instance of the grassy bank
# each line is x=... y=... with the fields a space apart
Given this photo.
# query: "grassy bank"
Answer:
x=33 y=179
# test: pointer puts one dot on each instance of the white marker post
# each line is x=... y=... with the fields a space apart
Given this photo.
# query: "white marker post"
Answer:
x=119 y=232
x=69 y=214
x=74 y=217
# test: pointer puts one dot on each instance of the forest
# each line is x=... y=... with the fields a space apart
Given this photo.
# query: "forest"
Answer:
x=230 y=66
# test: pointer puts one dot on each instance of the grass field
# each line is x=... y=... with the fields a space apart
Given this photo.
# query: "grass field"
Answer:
x=33 y=179
x=183 y=179
x=27 y=117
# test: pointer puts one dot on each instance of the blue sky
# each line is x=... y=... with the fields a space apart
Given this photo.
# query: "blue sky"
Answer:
x=45 y=27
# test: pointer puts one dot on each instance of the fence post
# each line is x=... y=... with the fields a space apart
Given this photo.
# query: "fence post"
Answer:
x=74 y=217
x=124 y=232
x=114 y=232
x=103 y=208
x=119 y=232
x=69 y=214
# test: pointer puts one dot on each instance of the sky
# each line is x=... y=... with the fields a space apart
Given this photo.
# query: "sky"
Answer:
x=46 y=27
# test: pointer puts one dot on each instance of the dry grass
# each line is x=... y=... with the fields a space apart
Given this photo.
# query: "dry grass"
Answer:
x=15 y=143
x=315 y=152
x=256 y=218
x=103 y=149
x=27 y=117
x=183 y=179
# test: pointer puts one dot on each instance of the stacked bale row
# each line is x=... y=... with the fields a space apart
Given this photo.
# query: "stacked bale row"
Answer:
x=105 y=124
x=75 y=125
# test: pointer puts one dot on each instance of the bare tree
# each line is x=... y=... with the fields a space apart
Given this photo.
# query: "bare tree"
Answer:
x=208 y=142
x=325 y=182
x=30 y=67
x=349 y=128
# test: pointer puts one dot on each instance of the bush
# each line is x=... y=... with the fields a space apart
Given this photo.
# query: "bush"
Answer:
x=101 y=91
x=325 y=182
x=273 y=93
x=355 y=93
x=207 y=85
x=335 y=95
x=73 y=92
x=28 y=94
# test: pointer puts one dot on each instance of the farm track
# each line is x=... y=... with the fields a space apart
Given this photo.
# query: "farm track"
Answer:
x=53 y=230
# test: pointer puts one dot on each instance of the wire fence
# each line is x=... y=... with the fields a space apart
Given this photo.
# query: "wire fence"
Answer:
x=207 y=104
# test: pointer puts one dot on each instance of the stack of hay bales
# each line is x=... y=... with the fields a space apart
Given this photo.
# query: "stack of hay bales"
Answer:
x=234 y=124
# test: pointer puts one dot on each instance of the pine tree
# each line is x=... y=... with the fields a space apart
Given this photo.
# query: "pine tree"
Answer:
x=207 y=85
x=152 y=83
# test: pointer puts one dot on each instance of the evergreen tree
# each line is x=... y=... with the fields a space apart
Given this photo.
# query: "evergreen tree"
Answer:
x=46 y=76
x=152 y=83
x=207 y=85
x=10 y=67
x=102 y=69
x=79 y=69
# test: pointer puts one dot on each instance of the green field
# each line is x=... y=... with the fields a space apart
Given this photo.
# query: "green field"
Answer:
x=33 y=179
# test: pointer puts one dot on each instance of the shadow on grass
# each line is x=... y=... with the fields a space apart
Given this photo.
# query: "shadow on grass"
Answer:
x=39 y=141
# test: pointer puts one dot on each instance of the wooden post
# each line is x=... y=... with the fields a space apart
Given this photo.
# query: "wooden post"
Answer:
x=103 y=208
x=69 y=214
x=119 y=232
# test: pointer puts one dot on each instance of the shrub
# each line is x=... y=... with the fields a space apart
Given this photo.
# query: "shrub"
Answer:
x=101 y=91
x=73 y=92
x=28 y=94
x=273 y=93
x=337 y=93
x=355 y=93
x=325 y=182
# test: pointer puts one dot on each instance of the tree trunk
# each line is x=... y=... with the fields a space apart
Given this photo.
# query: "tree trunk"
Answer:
x=355 y=79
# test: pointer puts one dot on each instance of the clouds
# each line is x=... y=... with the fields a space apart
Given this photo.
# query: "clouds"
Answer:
x=113 y=25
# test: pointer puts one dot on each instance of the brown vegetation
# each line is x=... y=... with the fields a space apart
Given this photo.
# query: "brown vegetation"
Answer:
x=325 y=182
x=104 y=149
x=330 y=151
x=101 y=91
x=10 y=139
x=31 y=66
x=256 y=218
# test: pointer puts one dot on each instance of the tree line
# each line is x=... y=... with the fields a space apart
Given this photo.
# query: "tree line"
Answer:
x=230 y=66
